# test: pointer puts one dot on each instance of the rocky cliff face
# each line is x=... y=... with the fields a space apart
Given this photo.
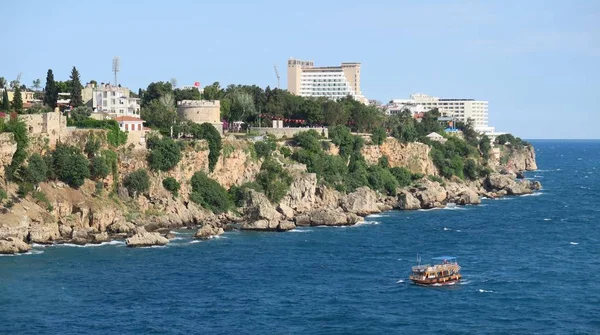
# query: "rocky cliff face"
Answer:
x=8 y=147
x=414 y=156
x=519 y=159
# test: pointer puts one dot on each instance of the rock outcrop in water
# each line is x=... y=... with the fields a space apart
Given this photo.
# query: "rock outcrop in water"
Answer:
x=142 y=238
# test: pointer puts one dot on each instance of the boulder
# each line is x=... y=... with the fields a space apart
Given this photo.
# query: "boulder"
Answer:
x=328 y=217
x=499 y=182
x=121 y=227
x=286 y=210
x=431 y=194
x=301 y=195
x=208 y=231
x=82 y=236
x=302 y=220
x=43 y=233
x=261 y=225
x=142 y=238
x=13 y=246
x=353 y=219
x=407 y=201
x=258 y=207
x=100 y=237
x=362 y=202
x=468 y=197
x=285 y=225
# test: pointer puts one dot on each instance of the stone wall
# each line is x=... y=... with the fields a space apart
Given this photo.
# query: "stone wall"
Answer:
x=288 y=132
x=201 y=111
x=52 y=126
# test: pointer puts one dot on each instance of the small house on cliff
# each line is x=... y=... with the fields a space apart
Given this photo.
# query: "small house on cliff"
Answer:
x=436 y=137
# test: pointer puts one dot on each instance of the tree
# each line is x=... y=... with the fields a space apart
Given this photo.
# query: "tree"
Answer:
x=19 y=130
x=37 y=84
x=172 y=185
x=70 y=165
x=164 y=154
x=154 y=91
x=242 y=105
x=81 y=113
x=209 y=194
x=98 y=168
x=187 y=94
x=212 y=92
x=137 y=182
x=37 y=169
x=264 y=148
x=17 y=103
x=402 y=174
x=51 y=92
x=485 y=147
x=158 y=116
x=76 y=99
x=2 y=82
x=378 y=136
x=92 y=145
x=470 y=169
x=5 y=102
x=207 y=132
x=274 y=180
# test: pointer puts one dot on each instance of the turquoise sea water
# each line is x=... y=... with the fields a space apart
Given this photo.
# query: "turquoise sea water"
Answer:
x=531 y=264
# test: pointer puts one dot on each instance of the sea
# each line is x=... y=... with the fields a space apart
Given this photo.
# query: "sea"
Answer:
x=530 y=265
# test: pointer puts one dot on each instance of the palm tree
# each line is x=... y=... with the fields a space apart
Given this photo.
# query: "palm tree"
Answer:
x=37 y=84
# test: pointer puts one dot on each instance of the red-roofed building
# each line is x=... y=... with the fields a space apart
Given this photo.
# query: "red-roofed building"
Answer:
x=130 y=123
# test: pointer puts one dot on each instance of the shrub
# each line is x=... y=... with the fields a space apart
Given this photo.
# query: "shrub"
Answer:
x=402 y=175
x=172 y=185
x=19 y=130
x=80 y=113
x=285 y=151
x=264 y=148
x=238 y=193
x=137 y=182
x=437 y=179
x=382 y=180
x=3 y=194
x=99 y=188
x=207 y=132
x=383 y=162
x=37 y=170
x=41 y=199
x=164 y=155
x=470 y=169
x=70 y=165
x=273 y=180
x=24 y=189
x=341 y=136
x=209 y=194
x=98 y=168
x=308 y=140
x=378 y=136
x=92 y=145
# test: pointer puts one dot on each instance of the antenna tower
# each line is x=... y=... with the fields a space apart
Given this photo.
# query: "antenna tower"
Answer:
x=277 y=74
x=116 y=67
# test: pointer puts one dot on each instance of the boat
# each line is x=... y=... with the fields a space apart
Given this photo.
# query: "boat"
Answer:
x=443 y=270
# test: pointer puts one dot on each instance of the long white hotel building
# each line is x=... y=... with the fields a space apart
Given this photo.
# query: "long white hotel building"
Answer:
x=461 y=109
x=334 y=82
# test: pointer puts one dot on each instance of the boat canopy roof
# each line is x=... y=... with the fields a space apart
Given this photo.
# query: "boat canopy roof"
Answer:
x=444 y=258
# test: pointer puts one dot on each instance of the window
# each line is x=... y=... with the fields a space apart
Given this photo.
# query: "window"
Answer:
x=126 y=127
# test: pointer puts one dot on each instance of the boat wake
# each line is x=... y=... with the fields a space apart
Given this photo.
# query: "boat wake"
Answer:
x=485 y=291
x=400 y=281
x=89 y=245
x=573 y=243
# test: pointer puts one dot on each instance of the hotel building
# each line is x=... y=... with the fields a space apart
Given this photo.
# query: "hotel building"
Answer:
x=334 y=82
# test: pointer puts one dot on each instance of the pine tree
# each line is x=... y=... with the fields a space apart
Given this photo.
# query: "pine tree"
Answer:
x=51 y=93
x=76 y=99
x=17 y=103
x=5 y=103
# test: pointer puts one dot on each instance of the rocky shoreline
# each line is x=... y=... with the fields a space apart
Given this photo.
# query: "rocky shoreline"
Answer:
x=306 y=204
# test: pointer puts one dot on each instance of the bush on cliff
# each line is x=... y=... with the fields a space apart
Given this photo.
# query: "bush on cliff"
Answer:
x=207 y=132
x=115 y=136
x=37 y=170
x=92 y=145
x=70 y=165
x=99 y=169
x=378 y=136
x=137 y=182
x=172 y=185
x=164 y=154
x=209 y=194
x=264 y=148
x=238 y=193
x=471 y=169
x=308 y=140
x=514 y=141
x=382 y=180
x=402 y=175
x=273 y=180
x=19 y=130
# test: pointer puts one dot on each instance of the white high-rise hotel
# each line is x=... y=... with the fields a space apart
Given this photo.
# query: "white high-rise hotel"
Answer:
x=461 y=109
x=335 y=82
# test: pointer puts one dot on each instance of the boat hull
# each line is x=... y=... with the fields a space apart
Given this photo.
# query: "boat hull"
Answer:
x=450 y=280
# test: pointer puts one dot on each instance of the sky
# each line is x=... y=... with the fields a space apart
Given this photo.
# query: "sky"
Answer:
x=536 y=62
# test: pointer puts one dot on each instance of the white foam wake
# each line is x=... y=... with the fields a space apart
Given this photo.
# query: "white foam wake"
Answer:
x=90 y=245
x=300 y=231
x=485 y=291
x=573 y=243
x=31 y=252
x=375 y=216
x=534 y=194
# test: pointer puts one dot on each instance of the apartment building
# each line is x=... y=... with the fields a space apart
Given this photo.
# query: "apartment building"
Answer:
x=334 y=82
x=110 y=99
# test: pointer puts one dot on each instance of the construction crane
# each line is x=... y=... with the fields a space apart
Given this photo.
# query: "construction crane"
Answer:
x=277 y=74
x=16 y=82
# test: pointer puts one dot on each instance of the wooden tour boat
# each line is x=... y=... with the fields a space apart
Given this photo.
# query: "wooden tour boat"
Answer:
x=444 y=271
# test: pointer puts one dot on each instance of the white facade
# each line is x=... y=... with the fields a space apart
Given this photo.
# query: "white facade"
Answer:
x=331 y=84
x=461 y=109
x=111 y=99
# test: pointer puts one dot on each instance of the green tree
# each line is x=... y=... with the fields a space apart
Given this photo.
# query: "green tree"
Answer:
x=274 y=180
x=76 y=99
x=313 y=111
x=2 y=82
x=381 y=179
x=308 y=140
x=187 y=94
x=37 y=169
x=209 y=194
x=470 y=169
x=37 y=84
x=70 y=165
x=17 y=103
x=155 y=91
x=164 y=154
x=485 y=147
x=92 y=145
x=402 y=175
x=172 y=185
x=207 y=132
x=51 y=92
x=378 y=136
x=81 y=113
x=99 y=168
x=264 y=148
x=19 y=130
x=5 y=102
x=212 y=92
x=158 y=116
x=38 y=109
x=137 y=182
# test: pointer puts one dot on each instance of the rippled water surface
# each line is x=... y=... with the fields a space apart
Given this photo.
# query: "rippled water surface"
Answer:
x=531 y=264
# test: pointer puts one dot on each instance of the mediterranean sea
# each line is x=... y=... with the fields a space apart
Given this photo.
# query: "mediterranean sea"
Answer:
x=530 y=265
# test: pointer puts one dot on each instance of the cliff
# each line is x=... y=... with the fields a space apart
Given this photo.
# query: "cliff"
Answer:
x=8 y=147
x=82 y=216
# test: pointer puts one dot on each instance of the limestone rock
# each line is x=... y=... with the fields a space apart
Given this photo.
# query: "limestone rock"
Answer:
x=352 y=218
x=328 y=217
x=285 y=225
x=414 y=156
x=142 y=238
x=499 y=182
x=13 y=246
x=100 y=237
x=362 y=202
x=258 y=207
x=431 y=194
x=286 y=210
x=261 y=225
x=302 y=193
x=468 y=197
x=82 y=235
x=208 y=231
x=121 y=227
x=407 y=201
x=43 y=232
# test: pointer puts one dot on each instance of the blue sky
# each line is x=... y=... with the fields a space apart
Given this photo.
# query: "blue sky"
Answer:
x=536 y=62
